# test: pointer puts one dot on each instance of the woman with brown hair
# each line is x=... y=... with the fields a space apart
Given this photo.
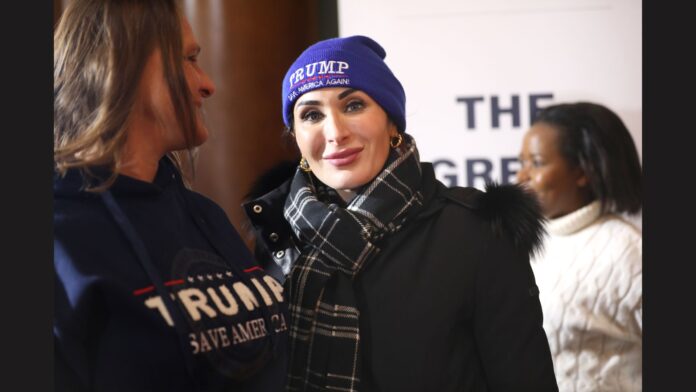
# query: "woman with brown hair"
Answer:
x=155 y=290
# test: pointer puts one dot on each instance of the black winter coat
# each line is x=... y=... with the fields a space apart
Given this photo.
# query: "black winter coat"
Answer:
x=450 y=303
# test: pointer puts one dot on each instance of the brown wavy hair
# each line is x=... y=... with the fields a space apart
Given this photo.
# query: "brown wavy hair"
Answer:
x=100 y=50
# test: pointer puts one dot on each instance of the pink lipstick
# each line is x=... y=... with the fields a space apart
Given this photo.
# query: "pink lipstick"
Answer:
x=343 y=157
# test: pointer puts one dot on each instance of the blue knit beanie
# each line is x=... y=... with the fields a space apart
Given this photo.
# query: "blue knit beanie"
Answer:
x=356 y=62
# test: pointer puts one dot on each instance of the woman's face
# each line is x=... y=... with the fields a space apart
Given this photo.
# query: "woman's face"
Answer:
x=343 y=134
x=154 y=103
x=560 y=187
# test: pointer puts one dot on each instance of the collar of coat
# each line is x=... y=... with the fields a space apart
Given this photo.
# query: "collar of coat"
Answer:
x=510 y=210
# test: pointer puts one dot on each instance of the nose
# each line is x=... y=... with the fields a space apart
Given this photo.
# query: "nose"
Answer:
x=206 y=87
x=335 y=129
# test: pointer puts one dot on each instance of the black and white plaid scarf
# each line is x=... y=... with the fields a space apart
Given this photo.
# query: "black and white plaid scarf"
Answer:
x=336 y=243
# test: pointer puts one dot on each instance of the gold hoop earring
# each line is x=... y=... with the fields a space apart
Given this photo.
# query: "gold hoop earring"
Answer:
x=395 y=141
x=304 y=165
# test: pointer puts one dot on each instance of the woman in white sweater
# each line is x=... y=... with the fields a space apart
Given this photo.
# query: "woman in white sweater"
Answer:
x=581 y=162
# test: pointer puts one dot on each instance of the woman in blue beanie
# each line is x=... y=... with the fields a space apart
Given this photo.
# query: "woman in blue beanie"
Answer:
x=154 y=288
x=394 y=282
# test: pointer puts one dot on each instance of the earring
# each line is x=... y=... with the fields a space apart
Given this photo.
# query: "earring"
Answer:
x=395 y=141
x=304 y=165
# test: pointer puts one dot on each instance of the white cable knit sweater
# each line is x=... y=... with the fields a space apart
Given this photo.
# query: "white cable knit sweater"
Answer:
x=590 y=287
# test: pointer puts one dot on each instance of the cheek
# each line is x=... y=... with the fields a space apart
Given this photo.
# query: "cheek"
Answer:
x=540 y=181
x=382 y=146
x=192 y=78
x=161 y=97
x=309 y=143
x=159 y=108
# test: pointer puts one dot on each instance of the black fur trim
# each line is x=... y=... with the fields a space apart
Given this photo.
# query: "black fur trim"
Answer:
x=514 y=210
x=271 y=179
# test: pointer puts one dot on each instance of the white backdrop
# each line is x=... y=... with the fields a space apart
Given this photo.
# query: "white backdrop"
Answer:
x=467 y=65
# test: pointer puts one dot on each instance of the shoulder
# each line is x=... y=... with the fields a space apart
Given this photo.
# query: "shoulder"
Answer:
x=508 y=211
x=206 y=205
x=616 y=225
x=81 y=220
x=210 y=212
x=622 y=241
x=610 y=233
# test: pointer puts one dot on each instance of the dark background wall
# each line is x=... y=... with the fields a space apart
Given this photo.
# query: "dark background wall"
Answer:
x=247 y=47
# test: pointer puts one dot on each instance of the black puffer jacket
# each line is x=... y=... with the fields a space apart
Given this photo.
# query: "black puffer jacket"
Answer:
x=450 y=303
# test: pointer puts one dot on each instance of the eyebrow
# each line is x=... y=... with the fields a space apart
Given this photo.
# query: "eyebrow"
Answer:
x=301 y=103
x=346 y=93
x=342 y=95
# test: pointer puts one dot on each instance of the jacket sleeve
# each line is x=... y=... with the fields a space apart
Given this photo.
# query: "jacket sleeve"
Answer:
x=72 y=356
x=622 y=295
x=508 y=329
x=66 y=378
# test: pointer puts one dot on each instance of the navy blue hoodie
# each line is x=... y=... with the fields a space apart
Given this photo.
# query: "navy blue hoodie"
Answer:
x=112 y=330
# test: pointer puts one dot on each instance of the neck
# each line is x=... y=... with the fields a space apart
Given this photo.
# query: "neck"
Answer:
x=576 y=220
x=143 y=170
x=346 y=194
x=140 y=155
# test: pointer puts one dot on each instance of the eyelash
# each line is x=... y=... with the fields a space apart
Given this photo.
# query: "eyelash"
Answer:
x=353 y=103
x=313 y=115
x=533 y=162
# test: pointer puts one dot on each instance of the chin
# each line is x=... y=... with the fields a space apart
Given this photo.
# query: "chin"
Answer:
x=337 y=184
x=343 y=180
x=201 y=136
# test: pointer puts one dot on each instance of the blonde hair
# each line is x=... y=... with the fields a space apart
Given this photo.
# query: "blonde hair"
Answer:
x=100 y=50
